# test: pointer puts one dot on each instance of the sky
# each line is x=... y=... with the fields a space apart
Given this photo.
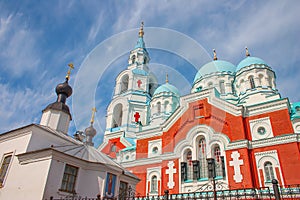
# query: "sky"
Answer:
x=39 y=38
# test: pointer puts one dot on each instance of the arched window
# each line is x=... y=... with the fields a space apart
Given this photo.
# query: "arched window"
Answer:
x=210 y=84
x=124 y=83
x=189 y=165
x=154 y=184
x=158 y=107
x=133 y=59
x=222 y=87
x=251 y=80
x=117 y=116
x=218 y=162
x=166 y=107
x=145 y=60
x=261 y=79
x=269 y=171
x=202 y=155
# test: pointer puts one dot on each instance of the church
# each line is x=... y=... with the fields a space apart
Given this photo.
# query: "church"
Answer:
x=233 y=126
x=41 y=161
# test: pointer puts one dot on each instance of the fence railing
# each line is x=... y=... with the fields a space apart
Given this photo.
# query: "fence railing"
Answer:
x=290 y=192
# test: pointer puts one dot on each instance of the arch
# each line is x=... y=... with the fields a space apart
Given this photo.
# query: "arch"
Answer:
x=154 y=184
x=269 y=171
x=261 y=79
x=158 y=105
x=133 y=58
x=202 y=156
x=117 y=116
x=251 y=81
x=222 y=87
x=124 y=83
x=166 y=106
x=210 y=84
x=187 y=158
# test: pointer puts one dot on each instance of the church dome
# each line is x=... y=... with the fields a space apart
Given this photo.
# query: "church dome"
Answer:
x=213 y=67
x=64 y=88
x=250 y=61
x=90 y=131
x=167 y=88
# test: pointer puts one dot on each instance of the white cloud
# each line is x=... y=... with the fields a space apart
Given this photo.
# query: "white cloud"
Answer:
x=21 y=107
x=19 y=53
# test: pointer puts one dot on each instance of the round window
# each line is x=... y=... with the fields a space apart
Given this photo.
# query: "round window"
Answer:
x=261 y=130
x=127 y=157
x=154 y=150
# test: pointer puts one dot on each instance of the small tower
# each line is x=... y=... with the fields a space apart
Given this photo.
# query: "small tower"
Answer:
x=57 y=115
x=90 y=132
x=133 y=91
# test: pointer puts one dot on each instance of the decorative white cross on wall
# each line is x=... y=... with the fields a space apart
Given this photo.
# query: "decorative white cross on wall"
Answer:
x=236 y=164
x=171 y=171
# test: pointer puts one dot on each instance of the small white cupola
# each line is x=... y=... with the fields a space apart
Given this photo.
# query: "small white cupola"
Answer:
x=57 y=115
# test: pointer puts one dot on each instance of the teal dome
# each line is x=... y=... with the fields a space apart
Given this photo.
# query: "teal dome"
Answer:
x=250 y=61
x=167 y=88
x=215 y=66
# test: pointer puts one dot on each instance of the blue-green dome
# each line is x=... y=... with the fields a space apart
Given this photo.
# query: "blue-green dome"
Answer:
x=250 y=61
x=166 y=88
x=215 y=66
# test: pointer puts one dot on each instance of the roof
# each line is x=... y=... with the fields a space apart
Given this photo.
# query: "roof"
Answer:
x=250 y=61
x=213 y=67
x=167 y=88
x=140 y=43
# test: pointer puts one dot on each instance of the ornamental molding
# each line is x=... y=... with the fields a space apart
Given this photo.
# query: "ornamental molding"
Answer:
x=283 y=139
x=266 y=107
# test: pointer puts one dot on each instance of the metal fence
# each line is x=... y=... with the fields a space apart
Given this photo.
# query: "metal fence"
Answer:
x=290 y=192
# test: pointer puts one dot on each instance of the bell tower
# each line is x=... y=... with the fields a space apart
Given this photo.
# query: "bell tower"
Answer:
x=129 y=108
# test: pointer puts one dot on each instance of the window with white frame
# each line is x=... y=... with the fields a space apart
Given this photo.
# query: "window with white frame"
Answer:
x=154 y=183
x=202 y=154
x=4 y=168
x=269 y=171
x=69 y=179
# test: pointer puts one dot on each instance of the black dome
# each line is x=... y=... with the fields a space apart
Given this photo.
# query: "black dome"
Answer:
x=64 y=88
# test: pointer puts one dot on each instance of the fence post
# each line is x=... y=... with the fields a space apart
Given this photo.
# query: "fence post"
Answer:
x=276 y=189
x=166 y=195
x=51 y=198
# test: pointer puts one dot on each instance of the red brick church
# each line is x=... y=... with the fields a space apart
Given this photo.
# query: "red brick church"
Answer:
x=233 y=114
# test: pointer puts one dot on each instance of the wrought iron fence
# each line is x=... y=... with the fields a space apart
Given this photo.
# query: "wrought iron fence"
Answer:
x=290 y=192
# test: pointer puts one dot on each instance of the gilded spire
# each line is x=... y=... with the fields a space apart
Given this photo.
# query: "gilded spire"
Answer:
x=141 y=32
x=215 y=54
x=167 y=78
x=93 y=115
x=71 y=66
x=247 y=52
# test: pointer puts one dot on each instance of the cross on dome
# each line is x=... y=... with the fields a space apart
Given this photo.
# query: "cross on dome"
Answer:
x=94 y=110
x=247 y=52
x=71 y=66
x=215 y=54
x=141 y=32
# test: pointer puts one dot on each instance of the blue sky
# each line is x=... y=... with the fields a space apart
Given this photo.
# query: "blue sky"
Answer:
x=39 y=38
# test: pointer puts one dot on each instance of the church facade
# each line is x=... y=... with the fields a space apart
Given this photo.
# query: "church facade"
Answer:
x=233 y=126
x=41 y=161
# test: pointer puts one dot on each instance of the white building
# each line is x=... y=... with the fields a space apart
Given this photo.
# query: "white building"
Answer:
x=40 y=160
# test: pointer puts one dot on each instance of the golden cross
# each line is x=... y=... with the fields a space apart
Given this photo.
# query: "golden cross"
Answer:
x=71 y=66
x=167 y=78
x=141 y=32
x=93 y=115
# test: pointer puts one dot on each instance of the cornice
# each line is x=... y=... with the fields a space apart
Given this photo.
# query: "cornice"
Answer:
x=266 y=107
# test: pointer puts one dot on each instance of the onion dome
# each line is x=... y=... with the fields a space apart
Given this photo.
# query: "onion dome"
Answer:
x=167 y=88
x=215 y=66
x=90 y=131
x=63 y=91
x=64 y=88
x=249 y=60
